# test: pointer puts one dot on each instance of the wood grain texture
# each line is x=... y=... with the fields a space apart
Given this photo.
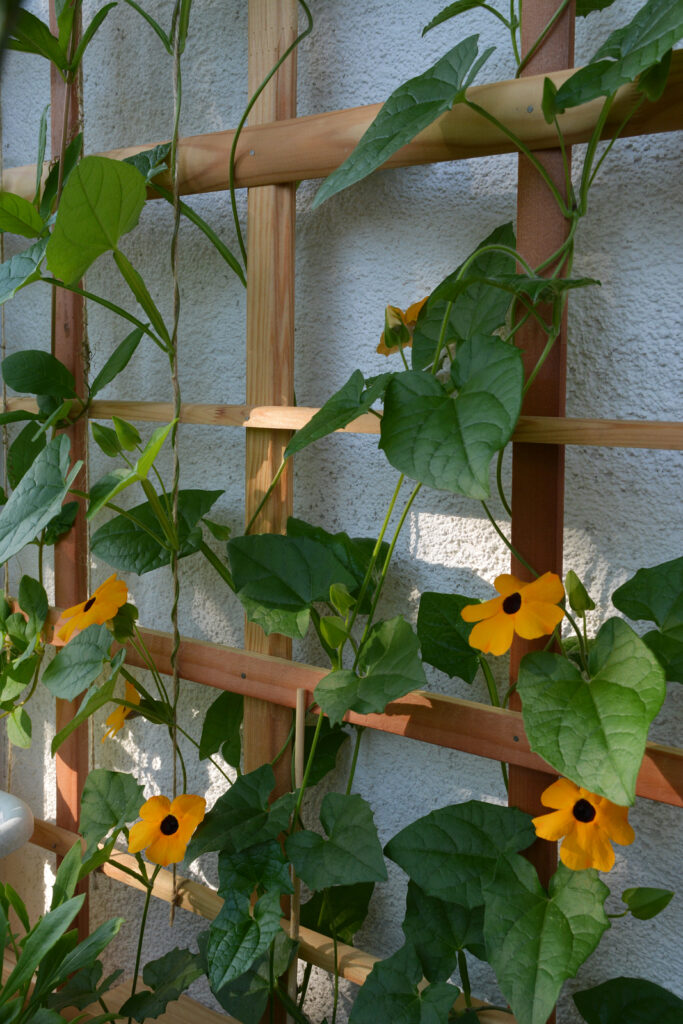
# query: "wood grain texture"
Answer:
x=298 y=149
x=69 y=344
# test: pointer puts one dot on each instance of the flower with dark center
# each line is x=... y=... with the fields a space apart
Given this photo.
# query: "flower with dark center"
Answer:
x=98 y=609
x=587 y=824
x=528 y=609
x=116 y=719
x=166 y=827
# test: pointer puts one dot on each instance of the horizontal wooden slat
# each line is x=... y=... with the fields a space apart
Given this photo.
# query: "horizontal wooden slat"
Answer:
x=313 y=146
x=663 y=435
x=474 y=728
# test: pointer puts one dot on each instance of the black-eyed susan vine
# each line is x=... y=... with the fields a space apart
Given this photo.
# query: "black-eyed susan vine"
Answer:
x=446 y=417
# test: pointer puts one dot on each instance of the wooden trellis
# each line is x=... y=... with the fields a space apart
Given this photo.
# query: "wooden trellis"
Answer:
x=275 y=150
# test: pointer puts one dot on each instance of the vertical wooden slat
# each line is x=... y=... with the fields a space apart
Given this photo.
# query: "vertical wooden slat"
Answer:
x=538 y=470
x=71 y=552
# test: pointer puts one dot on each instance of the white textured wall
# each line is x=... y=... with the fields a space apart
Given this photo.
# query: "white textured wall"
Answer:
x=390 y=239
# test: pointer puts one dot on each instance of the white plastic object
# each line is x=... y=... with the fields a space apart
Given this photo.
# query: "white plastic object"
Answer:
x=16 y=823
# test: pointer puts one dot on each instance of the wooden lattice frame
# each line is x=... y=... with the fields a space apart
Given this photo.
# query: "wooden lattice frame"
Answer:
x=270 y=156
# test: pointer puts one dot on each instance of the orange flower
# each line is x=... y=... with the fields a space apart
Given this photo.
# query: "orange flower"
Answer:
x=166 y=828
x=399 y=327
x=587 y=822
x=121 y=712
x=528 y=609
x=102 y=606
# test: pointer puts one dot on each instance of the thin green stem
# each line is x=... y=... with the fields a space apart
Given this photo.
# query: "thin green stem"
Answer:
x=309 y=765
x=284 y=746
x=525 y=150
x=160 y=512
x=108 y=305
x=508 y=543
x=539 y=41
x=464 y=977
x=495 y=701
x=514 y=25
x=271 y=487
x=304 y=985
x=213 y=559
x=442 y=336
x=615 y=137
x=360 y=729
x=552 y=338
x=143 y=651
x=499 y=482
x=143 y=922
x=587 y=169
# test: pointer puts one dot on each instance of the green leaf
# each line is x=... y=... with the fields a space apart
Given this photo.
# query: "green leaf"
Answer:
x=106 y=439
x=152 y=449
x=67 y=876
x=448 y=442
x=438 y=930
x=78 y=663
x=535 y=940
x=155 y=25
x=117 y=361
x=167 y=978
x=89 y=949
x=35 y=372
x=61 y=523
x=21 y=269
x=392 y=992
x=222 y=728
x=89 y=33
x=246 y=998
x=18 y=906
x=19 y=728
x=109 y=801
x=23 y=452
x=410 y=109
x=627 y=52
x=129 y=548
x=629 y=1001
x=330 y=740
x=240 y=935
x=534 y=288
x=338 y=911
x=31 y=35
x=352 y=400
x=150 y=162
x=262 y=867
x=128 y=436
x=217 y=530
x=585 y=7
x=242 y=817
x=645 y=903
x=594 y=732
x=452 y=853
x=17 y=416
x=83 y=988
x=38 y=497
x=283 y=574
x=33 y=601
x=19 y=216
x=444 y=635
x=101 y=201
x=389 y=666
x=102 y=695
x=653 y=81
x=656 y=595
x=428 y=329
x=42 y=142
x=108 y=486
x=43 y=937
x=459 y=7
x=352 y=851
x=136 y=283
x=71 y=158
x=579 y=599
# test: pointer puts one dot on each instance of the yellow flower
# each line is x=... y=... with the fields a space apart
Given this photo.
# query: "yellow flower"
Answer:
x=528 y=609
x=120 y=712
x=399 y=327
x=166 y=828
x=102 y=606
x=587 y=822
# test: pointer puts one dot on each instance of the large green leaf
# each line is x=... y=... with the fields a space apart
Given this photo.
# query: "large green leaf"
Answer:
x=594 y=731
x=338 y=911
x=21 y=269
x=101 y=201
x=95 y=699
x=83 y=989
x=240 y=935
x=645 y=903
x=389 y=666
x=246 y=998
x=627 y=53
x=89 y=949
x=117 y=361
x=129 y=548
x=78 y=664
x=23 y=452
x=586 y=7
x=452 y=10
x=656 y=595
x=19 y=728
x=242 y=817
x=353 y=399
x=40 y=941
x=109 y=801
x=35 y=372
x=352 y=851
x=629 y=1001
x=38 y=498
x=262 y=867
x=452 y=852
x=31 y=35
x=412 y=107
x=448 y=441
x=166 y=979
x=438 y=930
x=392 y=992
x=33 y=600
x=444 y=635
x=535 y=940
x=221 y=728
x=285 y=574
x=19 y=216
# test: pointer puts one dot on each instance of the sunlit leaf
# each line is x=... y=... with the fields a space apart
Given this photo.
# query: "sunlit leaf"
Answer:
x=444 y=635
x=18 y=216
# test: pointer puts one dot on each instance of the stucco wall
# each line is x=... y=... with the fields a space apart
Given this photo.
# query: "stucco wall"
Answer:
x=389 y=239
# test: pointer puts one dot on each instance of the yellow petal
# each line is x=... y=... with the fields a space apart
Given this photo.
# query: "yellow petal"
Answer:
x=554 y=825
x=484 y=610
x=412 y=312
x=188 y=806
x=589 y=845
x=536 y=619
x=141 y=835
x=547 y=588
x=167 y=849
x=507 y=584
x=494 y=635
x=155 y=809
x=614 y=820
x=562 y=794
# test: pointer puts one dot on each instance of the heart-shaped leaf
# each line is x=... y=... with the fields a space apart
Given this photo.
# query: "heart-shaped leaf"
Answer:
x=444 y=635
x=392 y=992
x=78 y=663
x=240 y=934
x=352 y=400
x=656 y=595
x=166 y=979
x=18 y=216
x=338 y=911
x=109 y=801
x=629 y=1001
x=34 y=372
x=438 y=930
x=594 y=731
x=21 y=269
